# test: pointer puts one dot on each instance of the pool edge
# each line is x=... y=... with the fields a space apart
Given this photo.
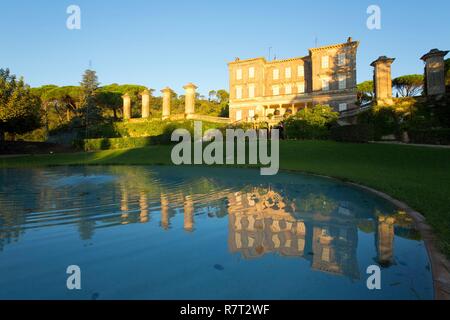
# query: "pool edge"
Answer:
x=440 y=266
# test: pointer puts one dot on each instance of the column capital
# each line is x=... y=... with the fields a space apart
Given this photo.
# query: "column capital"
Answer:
x=382 y=59
x=434 y=53
x=145 y=92
x=166 y=89
x=190 y=85
x=125 y=96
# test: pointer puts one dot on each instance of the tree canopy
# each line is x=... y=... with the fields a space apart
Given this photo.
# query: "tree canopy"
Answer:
x=365 y=92
x=409 y=85
x=19 y=107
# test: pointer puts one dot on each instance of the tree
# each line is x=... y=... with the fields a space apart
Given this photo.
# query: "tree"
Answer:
x=409 y=85
x=19 y=107
x=89 y=85
x=365 y=92
x=212 y=95
x=223 y=96
x=64 y=102
x=110 y=97
x=311 y=123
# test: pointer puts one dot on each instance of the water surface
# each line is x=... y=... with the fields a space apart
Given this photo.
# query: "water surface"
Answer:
x=201 y=233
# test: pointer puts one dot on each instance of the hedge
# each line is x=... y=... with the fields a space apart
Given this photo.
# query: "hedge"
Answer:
x=120 y=143
x=352 y=133
x=430 y=136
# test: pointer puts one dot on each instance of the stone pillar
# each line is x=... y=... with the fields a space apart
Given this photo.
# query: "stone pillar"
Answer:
x=382 y=80
x=145 y=104
x=434 y=72
x=126 y=106
x=190 y=99
x=167 y=98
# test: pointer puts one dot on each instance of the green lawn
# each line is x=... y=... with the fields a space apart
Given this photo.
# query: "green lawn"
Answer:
x=419 y=176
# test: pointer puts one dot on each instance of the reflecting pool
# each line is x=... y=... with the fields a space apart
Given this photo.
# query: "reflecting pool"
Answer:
x=201 y=233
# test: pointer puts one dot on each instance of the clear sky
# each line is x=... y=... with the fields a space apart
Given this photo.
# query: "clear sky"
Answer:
x=171 y=43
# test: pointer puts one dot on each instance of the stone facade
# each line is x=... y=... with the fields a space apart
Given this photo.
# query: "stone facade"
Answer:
x=435 y=72
x=261 y=89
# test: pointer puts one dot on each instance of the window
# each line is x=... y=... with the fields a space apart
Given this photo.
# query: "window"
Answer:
x=238 y=115
x=251 y=90
x=301 y=71
x=251 y=113
x=325 y=62
x=342 y=81
x=276 y=74
x=238 y=74
x=301 y=87
x=251 y=72
x=342 y=107
x=288 y=73
x=341 y=59
x=238 y=92
x=275 y=90
x=288 y=89
x=325 y=85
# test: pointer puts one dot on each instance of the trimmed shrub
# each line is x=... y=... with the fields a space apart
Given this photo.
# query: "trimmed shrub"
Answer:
x=430 y=136
x=302 y=129
x=120 y=143
x=352 y=133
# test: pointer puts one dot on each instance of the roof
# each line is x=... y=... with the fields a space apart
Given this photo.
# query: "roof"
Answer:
x=349 y=43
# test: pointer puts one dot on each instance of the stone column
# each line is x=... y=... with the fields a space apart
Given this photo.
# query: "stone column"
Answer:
x=434 y=72
x=382 y=80
x=190 y=99
x=145 y=104
x=126 y=106
x=167 y=98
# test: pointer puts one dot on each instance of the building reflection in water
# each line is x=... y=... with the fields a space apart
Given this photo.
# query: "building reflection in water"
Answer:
x=261 y=220
x=260 y=223
x=143 y=204
x=385 y=240
x=165 y=212
x=188 y=214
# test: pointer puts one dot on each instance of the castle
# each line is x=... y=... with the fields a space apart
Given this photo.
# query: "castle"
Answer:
x=261 y=89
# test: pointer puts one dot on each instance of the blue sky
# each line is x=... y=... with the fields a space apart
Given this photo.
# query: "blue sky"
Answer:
x=171 y=43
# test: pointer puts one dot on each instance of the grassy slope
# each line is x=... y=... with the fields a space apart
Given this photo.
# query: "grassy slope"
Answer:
x=416 y=175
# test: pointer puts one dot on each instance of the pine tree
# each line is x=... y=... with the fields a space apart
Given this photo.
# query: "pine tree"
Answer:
x=91 y=112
